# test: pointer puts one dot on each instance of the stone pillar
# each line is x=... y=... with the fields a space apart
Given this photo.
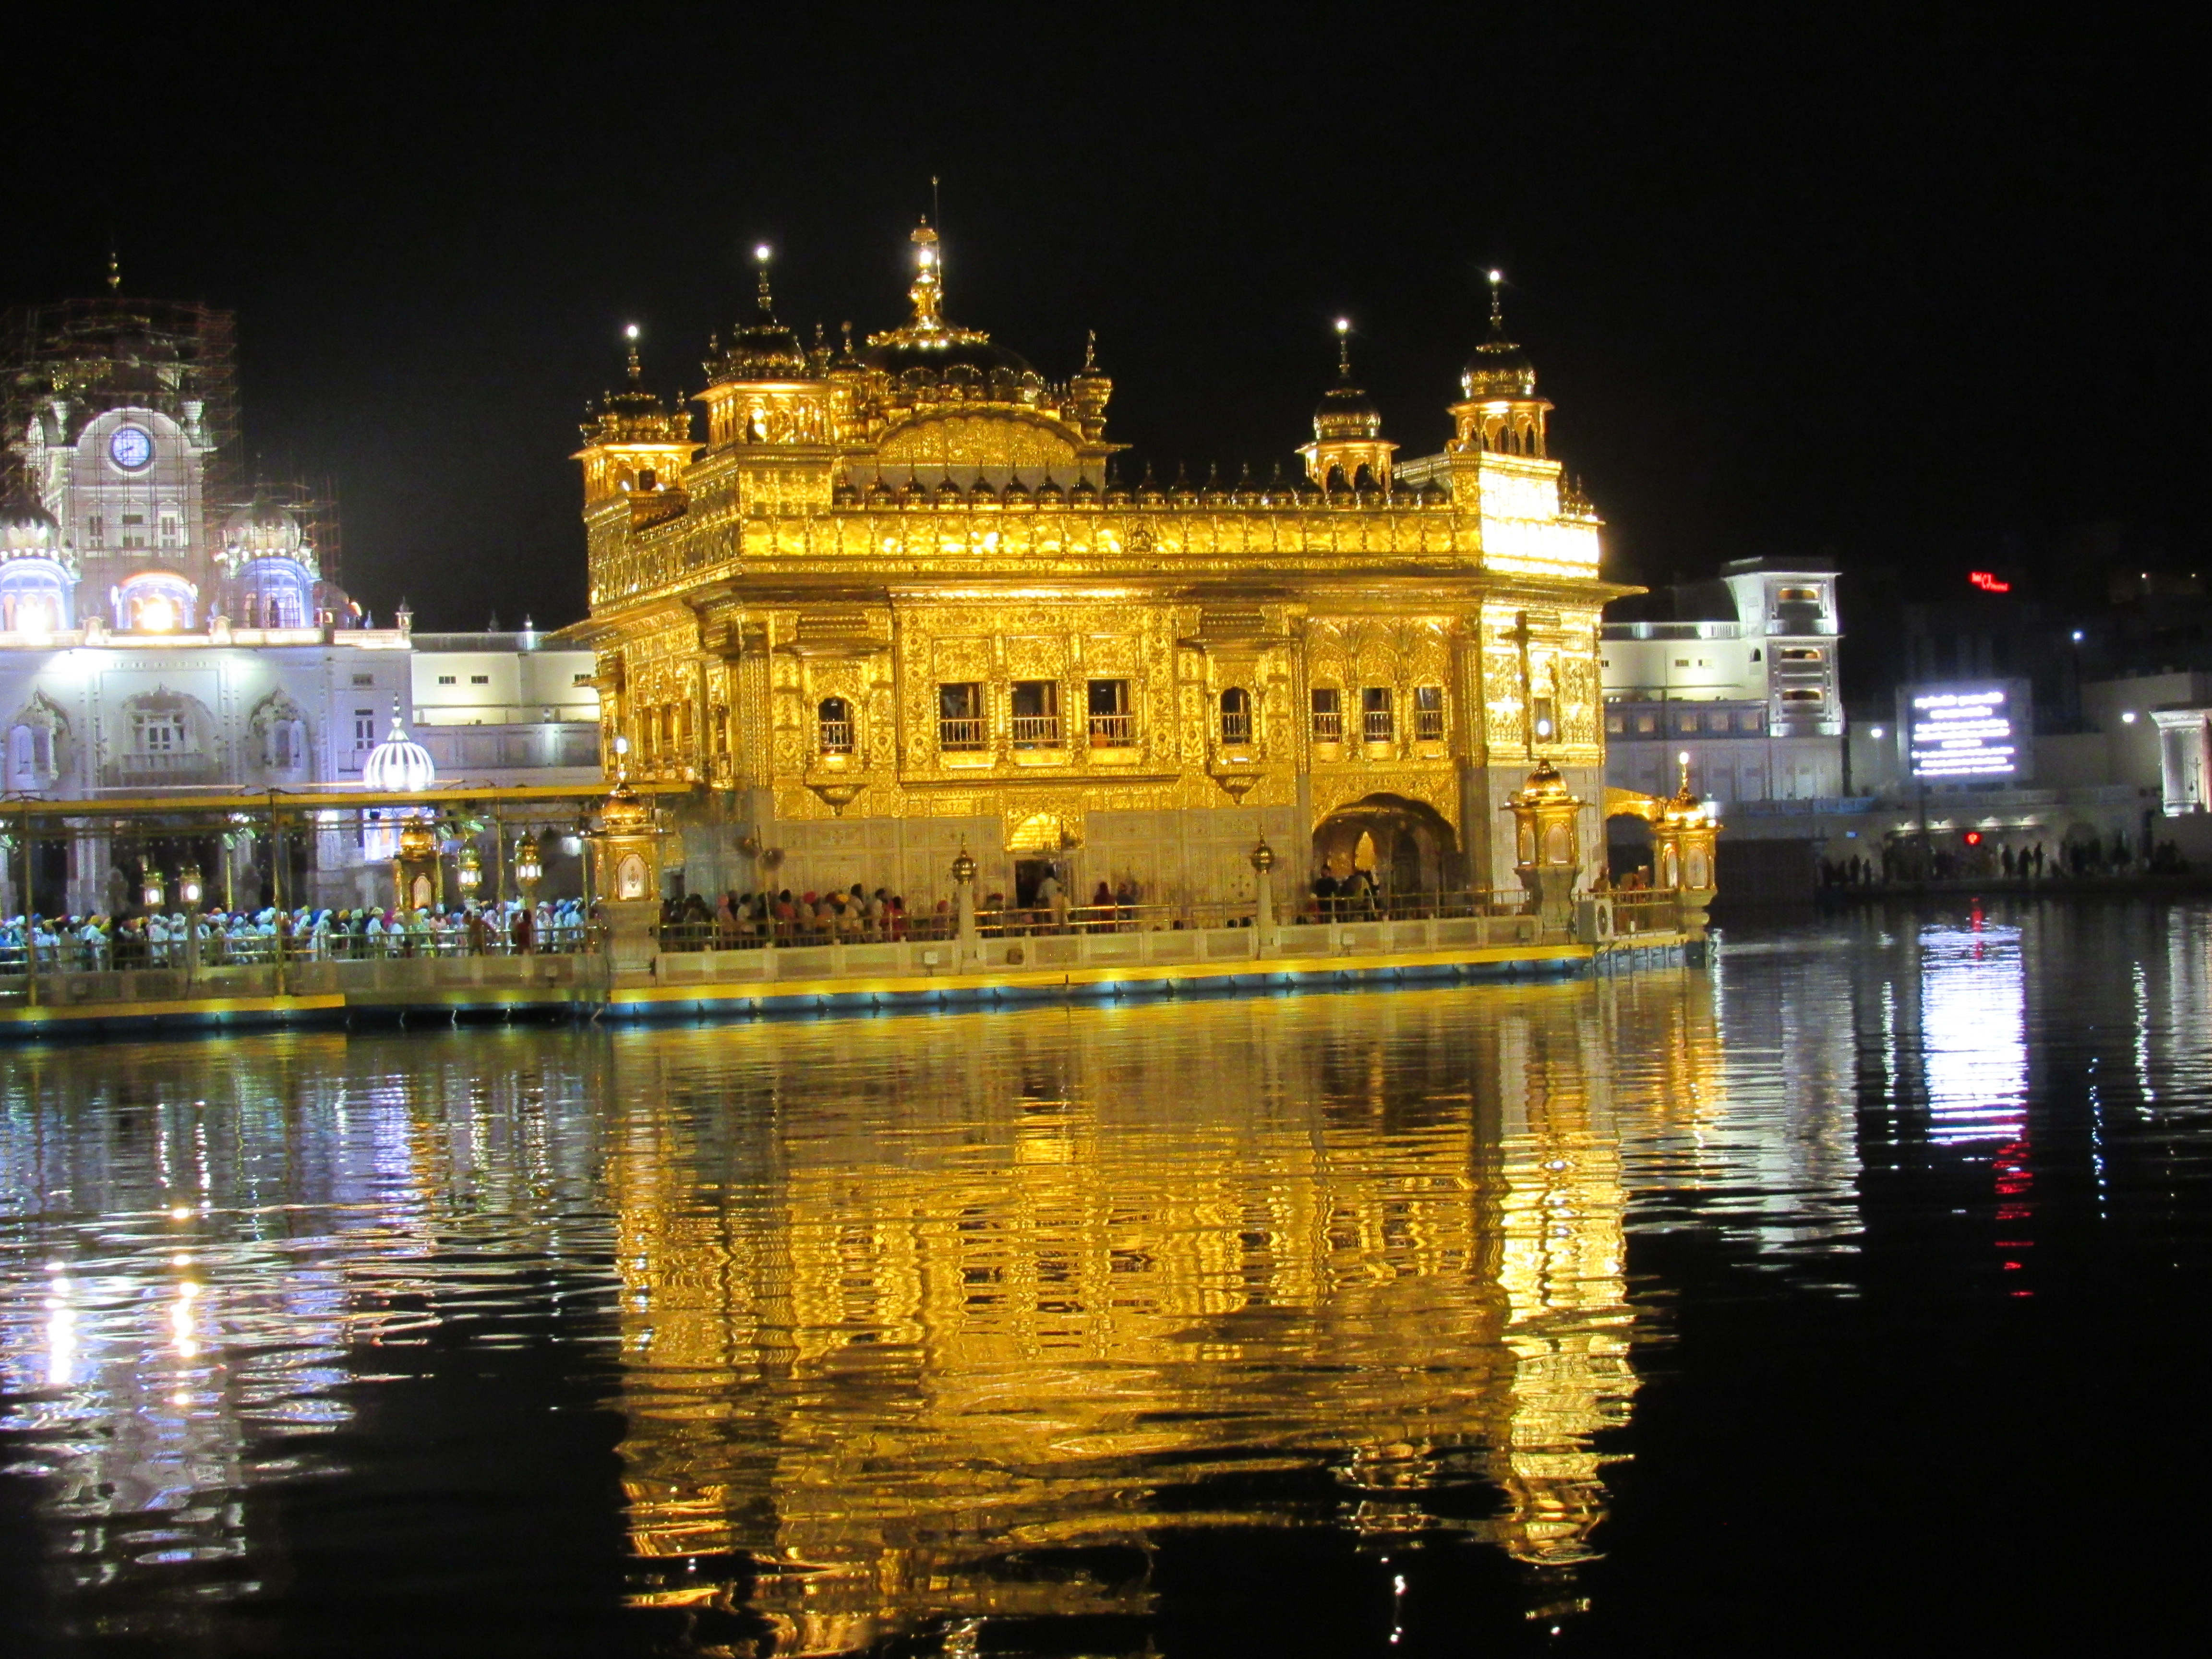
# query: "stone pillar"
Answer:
x=964 y=906
x=1263 y=889
x=1546 y=836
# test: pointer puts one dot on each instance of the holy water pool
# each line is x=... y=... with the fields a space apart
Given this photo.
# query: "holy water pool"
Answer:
x=1843 y=1294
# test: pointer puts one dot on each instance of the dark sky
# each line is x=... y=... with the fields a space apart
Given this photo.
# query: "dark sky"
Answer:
x=1898 y=287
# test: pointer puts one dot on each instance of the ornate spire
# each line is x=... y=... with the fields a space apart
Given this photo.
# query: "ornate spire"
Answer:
x=1344 y=350
x=1499 y=368
x=114 y=270
x=762 y=254
x=928 y=290
x=636 y=368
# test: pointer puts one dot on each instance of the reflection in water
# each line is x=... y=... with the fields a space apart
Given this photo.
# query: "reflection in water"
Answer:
x=904 y=1296
x=1973 y=1031
x=909 y=1323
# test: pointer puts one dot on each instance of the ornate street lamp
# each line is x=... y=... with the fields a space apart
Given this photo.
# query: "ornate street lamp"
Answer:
x=153 y=892
x=189 y=892
x=529 y=869
x=471 y=874
x=529 y=864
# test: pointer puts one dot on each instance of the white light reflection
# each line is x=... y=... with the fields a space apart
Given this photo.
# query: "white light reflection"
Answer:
x=1973 y=1032
x=2143 y=1041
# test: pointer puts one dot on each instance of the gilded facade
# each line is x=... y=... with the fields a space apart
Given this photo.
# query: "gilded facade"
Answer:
x=898 y=601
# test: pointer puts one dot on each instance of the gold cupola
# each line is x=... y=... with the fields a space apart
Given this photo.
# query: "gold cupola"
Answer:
x=1349 y=451
x=635 y=444
x=762 y=389
x=1500 y=411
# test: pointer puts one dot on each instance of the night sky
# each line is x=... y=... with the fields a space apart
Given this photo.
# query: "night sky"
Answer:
x=1911 y=292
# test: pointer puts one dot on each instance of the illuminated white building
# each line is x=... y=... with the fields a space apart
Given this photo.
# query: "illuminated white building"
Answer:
x=1740 y=674
x=165 y=632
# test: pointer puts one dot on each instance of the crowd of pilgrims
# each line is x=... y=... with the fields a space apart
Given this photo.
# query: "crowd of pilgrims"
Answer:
x=161 y=940
x=738 y=921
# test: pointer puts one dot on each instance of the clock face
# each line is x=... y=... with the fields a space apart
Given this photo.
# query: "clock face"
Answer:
x=130 y=448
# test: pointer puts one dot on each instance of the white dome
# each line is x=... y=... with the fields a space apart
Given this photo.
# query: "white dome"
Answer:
x=263 y=527
x=26 y=527
x=398 y=762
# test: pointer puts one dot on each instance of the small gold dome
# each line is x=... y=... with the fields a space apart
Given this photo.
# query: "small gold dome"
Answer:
x=623 y=813
x=1545 y=784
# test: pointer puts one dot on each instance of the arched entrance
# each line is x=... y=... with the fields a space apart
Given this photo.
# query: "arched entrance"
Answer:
x=1407 y=846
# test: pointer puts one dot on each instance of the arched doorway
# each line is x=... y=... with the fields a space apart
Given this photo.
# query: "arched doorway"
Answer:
x=1405 y=846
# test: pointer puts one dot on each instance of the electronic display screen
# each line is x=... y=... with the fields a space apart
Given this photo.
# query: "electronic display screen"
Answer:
x=1967 y=733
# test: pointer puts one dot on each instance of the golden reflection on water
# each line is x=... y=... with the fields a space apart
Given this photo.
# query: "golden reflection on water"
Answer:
x=903 y=1294
x=895 y=1298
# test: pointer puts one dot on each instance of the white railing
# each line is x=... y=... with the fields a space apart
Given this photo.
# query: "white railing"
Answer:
x=1113 y=731
x=1037 y=731
x=963 y=734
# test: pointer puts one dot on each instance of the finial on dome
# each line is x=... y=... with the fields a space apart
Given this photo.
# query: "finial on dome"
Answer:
x=762 y=255
x=1089 y=352
x=114 y=270
x=1344 y=347
x=636 y=368
x=928 y=290
x=1497 y=302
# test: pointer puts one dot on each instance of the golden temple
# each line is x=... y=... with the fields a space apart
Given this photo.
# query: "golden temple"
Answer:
x=898 y=602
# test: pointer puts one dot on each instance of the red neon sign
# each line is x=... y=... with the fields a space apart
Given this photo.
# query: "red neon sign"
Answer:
x=1987 y=582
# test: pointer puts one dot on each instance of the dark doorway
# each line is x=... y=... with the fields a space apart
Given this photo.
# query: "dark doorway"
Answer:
x=49 y=876
x=1029 y=876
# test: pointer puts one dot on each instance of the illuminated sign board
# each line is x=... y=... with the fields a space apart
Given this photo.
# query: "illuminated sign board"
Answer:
x=1966 y=733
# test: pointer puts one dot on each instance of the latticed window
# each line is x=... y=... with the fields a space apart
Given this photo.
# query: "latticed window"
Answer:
x=1429 y=714
x=1328 y=714
x=1037 y=714
x=833 y=726
x=1236 y=715
x=960 y=716
x=1376 y=724
x=1112 y=724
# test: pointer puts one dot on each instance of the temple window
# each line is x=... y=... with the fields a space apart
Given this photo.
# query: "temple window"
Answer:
x=833 y=725
x=1377 y=725
x=1236 y=715
x=1037 y=714
x=1112 y=724
x=960 y=716
x=1328 y=714
x=1429 y=714
x=157 y=733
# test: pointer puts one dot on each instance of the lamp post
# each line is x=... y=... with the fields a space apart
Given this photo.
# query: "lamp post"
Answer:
x=469 y=872
x=1263 y=887
x=963 y=902
x=188 y=894
x=529 y=869
x=152 y=891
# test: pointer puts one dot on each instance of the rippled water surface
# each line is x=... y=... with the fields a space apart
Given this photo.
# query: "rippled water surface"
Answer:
x=1844 y=1295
